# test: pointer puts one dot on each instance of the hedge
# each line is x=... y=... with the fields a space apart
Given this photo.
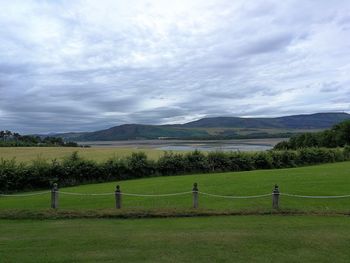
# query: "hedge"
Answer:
x=74 y=170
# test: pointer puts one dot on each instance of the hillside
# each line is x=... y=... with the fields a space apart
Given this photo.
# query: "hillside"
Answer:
x=138 y=131
x=311 y=121
x=216 y=128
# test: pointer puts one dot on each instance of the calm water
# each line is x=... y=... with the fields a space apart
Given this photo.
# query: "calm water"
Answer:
x=230 y=147
x=190 y=145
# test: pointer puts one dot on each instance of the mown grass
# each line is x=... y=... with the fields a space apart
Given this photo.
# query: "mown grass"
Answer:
x=326 y=179
x=206 y=239
x=99 y=154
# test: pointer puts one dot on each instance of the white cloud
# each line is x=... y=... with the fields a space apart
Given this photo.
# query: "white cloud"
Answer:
x=86 y=65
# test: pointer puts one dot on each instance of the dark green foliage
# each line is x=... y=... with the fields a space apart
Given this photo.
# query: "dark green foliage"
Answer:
x=218 y=161
x=346 y=152
x=241 y=161
x=139 y=166
x=115 y=169
x=9 y=139
x=263 y=160
x=171 y=163
x=74 y=170
x=195 y=162
x=337 y=136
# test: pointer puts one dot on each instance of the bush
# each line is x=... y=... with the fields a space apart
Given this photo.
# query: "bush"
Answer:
x=139 y=166
x=218 y=161
x=171 y=163
x=263 y=160
x=347 y=152
x=196 y=162
x=75 y=170
x=240 y=161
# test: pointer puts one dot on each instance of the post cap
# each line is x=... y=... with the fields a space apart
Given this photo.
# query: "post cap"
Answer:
x=276 y=189
x=195 y=187
x=117 y=188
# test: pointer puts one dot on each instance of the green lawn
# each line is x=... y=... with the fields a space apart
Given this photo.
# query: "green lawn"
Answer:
x=27 y=154
x=206 y=239
x=253 y=238
x=326 y=179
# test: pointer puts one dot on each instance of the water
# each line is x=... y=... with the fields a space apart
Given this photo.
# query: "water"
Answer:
x=225 y=148
x=191 y=145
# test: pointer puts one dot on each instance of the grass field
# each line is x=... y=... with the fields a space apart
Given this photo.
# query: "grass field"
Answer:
x=208 y=239
x=326 y=179
x=252 y=238
x=26 y=154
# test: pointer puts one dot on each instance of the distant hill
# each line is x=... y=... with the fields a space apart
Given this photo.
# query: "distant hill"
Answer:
x=310 y=121
x=138 y=131
x=216 y=128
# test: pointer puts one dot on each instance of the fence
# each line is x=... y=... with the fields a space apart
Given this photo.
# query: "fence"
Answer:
x=55 y=192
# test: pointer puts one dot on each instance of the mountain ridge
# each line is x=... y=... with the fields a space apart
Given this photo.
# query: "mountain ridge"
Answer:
x=216 y=128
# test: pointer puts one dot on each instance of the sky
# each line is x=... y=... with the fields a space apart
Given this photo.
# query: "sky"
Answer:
x=93 y=64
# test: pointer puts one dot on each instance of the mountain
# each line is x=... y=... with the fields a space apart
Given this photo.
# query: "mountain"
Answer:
x=138 y=131
x=216 y=128
x=307 y=121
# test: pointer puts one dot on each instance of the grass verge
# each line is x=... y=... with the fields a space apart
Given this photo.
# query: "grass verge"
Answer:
x=204 y=239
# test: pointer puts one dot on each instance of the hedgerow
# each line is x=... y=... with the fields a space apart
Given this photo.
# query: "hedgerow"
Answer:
x=75 y=170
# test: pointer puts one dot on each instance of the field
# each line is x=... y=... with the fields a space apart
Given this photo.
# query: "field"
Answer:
x=26 y=154
x=306 y=230
x=326 y=179
x=208 y=239
x=103 y=150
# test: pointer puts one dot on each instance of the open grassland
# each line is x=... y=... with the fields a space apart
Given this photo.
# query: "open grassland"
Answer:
x=326 y=179
x=104 y=150
x=26 y=154
x=206 y=239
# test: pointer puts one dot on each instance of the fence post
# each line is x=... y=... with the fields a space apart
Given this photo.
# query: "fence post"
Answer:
x=195 y=195
x=118 y=198
x=275 y=197
x=54 y=196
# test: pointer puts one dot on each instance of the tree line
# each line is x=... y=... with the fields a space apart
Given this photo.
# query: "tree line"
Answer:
x=337 y=136
x=13 y=139
x=74 y=170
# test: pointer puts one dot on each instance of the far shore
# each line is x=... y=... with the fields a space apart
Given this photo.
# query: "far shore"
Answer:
x=160 y=143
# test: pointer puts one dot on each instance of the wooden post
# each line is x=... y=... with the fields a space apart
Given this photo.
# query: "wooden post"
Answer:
x=54 y=196
x=275 y=197
x=118 y=197
x=195 y=195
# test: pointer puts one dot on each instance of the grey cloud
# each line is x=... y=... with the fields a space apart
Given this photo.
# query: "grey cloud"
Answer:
x=330 y=87
x=269 y=44
x=74 y=65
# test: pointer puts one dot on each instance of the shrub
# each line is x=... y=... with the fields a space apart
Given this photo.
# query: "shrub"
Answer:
x=171 y=163
x=75 y=170
x=218 y=161
x=195 y=162
x=263 y=160
x=139 y=166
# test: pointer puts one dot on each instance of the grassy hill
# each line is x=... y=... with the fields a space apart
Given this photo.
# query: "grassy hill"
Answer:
x=137 y=131
x=307 y=121
x=216 y=128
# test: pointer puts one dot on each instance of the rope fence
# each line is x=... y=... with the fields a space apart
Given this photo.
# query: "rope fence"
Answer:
x=315 y=196
x=25 y=195
x=234 y=197
x=55 y=192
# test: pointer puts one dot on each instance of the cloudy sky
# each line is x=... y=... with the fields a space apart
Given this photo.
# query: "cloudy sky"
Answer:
x=88 y=65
